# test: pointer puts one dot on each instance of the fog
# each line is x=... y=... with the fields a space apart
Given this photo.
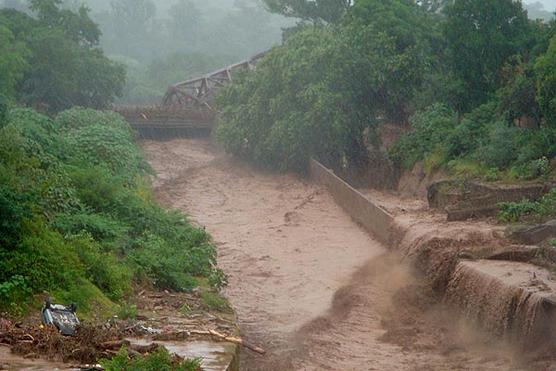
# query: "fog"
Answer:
x=165 y=41
x=549 y=5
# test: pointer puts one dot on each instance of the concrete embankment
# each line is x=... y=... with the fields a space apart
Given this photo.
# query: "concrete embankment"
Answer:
x=516 y=300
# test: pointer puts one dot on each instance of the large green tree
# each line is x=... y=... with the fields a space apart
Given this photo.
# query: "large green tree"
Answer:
x=316 y=95
x=65 y=66
x=545 y=69
x=13 y=63
x=316 y=11
x=481 y=36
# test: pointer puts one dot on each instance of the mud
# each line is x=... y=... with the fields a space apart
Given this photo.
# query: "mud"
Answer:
x=312 y=287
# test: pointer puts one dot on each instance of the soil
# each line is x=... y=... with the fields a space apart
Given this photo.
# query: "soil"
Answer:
x=307 y=283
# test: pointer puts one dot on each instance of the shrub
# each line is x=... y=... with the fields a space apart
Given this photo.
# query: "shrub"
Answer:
x=541 y=209
x=429 y=130
x=127 y=311
x=160 y=360
x=99 y=226
x=471 y=132
x=500 y=150
x=103 y=269
x=14 y=211
x=514 y=211
x=214 y=301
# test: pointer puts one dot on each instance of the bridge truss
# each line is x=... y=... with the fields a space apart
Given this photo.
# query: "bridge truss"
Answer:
x=187 y=108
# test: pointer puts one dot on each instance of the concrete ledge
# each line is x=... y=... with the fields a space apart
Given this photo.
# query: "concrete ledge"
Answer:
x=509 y=299
x=373 y=218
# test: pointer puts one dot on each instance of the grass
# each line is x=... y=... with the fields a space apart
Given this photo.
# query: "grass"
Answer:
x=160 y=360
x=216 y=302
x=127 y=311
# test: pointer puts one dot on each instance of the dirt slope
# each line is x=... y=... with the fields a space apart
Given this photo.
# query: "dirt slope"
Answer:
x=307 y=283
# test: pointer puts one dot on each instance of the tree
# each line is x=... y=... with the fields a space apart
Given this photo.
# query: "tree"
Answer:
x=65 y=75
x=52 y=59
x=316 y=94
x=78 y=26
x=481 y=36
x=13 y=63
x=545 y=70
x=391 y=40
x=316 y=11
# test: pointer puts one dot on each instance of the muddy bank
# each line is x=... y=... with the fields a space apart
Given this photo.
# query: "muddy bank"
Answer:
x=308 y=283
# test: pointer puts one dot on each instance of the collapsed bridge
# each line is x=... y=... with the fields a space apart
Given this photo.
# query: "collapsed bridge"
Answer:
x=187 y=108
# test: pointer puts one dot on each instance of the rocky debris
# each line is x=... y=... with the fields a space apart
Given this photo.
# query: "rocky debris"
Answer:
x=466 y=199
x=534 y=234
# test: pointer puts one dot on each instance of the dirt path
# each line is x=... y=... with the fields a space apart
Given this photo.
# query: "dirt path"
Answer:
x=308 y=283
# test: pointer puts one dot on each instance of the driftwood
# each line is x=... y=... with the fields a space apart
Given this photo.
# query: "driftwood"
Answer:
x=145 y=348
x=113 y=345
x=230 y=339
x=117 y=345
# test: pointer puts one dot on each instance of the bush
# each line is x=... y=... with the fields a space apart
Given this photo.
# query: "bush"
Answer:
x=14 y=211
x=100 y=227
x=214 y=301
x=517 y=211
x=78 y=219
x=500 y=150
x=160 y=360
x=103 y=269
x=471 y=132
x=429 y=130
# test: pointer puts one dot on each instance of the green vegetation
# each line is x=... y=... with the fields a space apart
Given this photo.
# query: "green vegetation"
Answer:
x=159 y=360
x=79 y=221
x=527 y=210
x=316 y=94
x=472 y=82
x=52 y=60
x=213 y=301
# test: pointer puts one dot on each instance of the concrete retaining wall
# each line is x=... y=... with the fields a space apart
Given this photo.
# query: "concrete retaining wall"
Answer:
x=373 y=218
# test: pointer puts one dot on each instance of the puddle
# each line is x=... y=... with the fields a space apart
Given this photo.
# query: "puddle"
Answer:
x=216 y=356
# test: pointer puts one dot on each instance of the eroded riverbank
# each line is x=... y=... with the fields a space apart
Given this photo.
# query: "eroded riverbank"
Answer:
x=306 y=281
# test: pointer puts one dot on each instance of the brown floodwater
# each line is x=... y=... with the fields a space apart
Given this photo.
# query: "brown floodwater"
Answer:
x=307 y=283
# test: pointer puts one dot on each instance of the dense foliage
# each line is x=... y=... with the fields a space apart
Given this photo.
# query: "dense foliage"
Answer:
x=78 y=219
x=471 y=82
x=314 y=95
x=51 y=61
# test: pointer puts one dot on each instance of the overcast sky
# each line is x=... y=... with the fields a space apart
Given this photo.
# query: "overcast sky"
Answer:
x=549 y=5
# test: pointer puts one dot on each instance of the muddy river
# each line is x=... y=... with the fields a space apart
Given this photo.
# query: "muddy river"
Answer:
x=307 y=283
